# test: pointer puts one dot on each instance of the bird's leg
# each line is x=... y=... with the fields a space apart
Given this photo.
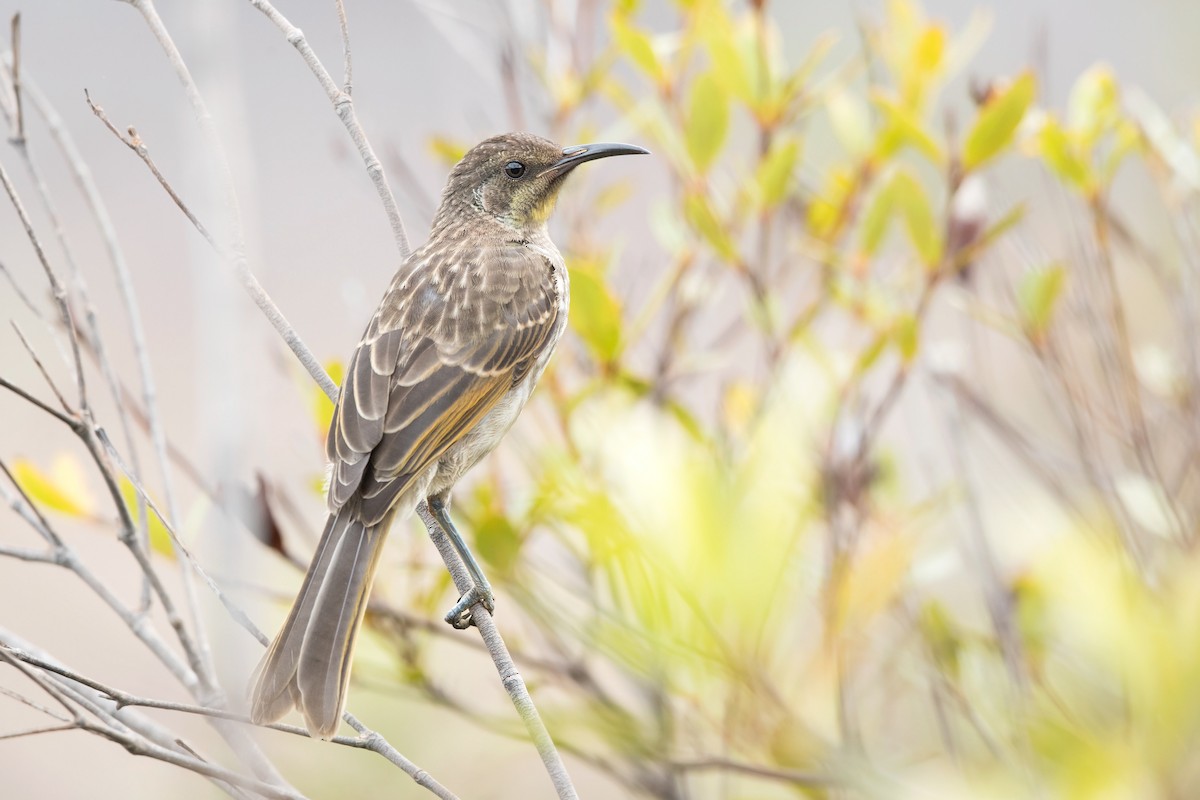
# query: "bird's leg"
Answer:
x=481 y=591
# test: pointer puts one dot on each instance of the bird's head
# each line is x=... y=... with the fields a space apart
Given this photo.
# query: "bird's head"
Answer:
x=515 y=177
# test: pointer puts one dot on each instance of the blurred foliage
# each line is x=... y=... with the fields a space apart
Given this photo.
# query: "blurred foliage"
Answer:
x=843 y=486
x=746 y=581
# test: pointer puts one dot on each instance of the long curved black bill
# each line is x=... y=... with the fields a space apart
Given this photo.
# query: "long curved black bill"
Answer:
x=574 y=156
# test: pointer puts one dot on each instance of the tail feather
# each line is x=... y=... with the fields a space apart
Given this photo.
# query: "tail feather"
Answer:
x=308 y=663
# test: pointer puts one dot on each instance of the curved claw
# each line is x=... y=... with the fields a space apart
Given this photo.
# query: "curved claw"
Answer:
x=460 y=615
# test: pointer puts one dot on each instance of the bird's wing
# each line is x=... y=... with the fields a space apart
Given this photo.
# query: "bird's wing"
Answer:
x=449 y=339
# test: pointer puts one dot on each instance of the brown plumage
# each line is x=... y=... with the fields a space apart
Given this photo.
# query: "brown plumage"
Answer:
x=445 y=366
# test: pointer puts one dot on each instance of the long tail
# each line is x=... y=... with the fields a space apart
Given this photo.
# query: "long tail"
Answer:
x=308 y=664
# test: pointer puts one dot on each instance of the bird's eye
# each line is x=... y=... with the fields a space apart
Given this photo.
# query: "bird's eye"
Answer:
x=514 y=169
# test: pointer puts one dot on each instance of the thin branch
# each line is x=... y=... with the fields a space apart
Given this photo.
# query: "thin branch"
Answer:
x=233 y=257
x=18 y=137
x=77 y=697
x=26 y=396
x=20 y=293
x=56 y=287
x=69 y=726
x=344 y=107
x=83 y=177
x=347 y=70
x=135 y=143
x=41 y=368
x=513 y=683
x=368 y=740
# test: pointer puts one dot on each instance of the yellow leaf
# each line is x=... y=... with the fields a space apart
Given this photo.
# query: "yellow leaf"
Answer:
x=160 y=538
x=708 y=121
x=446 y=150
x=63 y=490
x=997 y=122
x=319 y=404
x=930 y=48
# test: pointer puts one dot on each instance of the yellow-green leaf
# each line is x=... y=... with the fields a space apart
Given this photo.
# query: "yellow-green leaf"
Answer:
x=702 y=218
x=1037 y=297
x=902 y=128
x=775 y=171
x=910 y=201
x=997 y=122
x=63 y=489
x=876 y=219
x=1062 y=155
x=708 y=121
x=160 y=538
x=595 y=312
x=635 y=44
x=728 y=65
x=907 y=337
x=1094 y=104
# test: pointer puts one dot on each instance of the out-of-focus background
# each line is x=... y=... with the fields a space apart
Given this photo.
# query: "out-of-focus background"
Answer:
x=868 y=466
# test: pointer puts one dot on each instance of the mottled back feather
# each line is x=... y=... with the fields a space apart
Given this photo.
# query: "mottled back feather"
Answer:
x=451 y=337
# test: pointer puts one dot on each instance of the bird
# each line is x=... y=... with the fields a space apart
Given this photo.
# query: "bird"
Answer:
x=447 y=362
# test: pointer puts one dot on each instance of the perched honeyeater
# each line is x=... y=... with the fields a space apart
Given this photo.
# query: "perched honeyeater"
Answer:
x=444 y=368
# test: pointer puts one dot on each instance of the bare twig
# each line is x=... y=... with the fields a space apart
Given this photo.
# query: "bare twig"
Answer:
x=514 y=684
x=344 y=107
x=234 y=251
x=18 y=136
x=347 y=71
x=56 y=287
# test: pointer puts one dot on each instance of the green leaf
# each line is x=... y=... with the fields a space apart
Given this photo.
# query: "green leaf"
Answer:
x=997 y=122
x=910 y=201
x=708 y=121
x=1037 y=297
x=595 y=312
x=775 y=172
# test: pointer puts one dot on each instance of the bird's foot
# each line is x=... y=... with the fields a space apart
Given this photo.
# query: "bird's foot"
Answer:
x=460 y=615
